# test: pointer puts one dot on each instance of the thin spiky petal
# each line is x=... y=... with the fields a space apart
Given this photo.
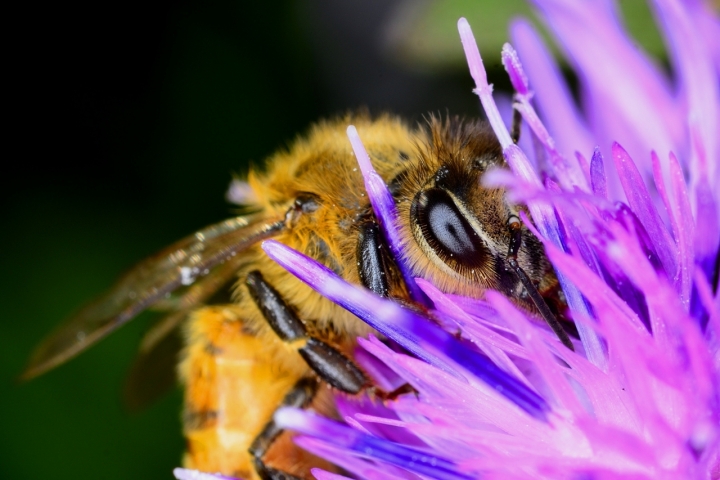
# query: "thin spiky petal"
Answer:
x=515 y=71
x=554 y=100
x=568 y=174
x=698 y=84
x=384 y=207
x=642 y=205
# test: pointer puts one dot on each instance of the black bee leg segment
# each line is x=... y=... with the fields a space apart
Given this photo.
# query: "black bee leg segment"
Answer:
x=515 y=241
x=328 y=363
x=372 y=268
x=299 y=397
x=279 y=315
x=516 y=125
x=333 y=367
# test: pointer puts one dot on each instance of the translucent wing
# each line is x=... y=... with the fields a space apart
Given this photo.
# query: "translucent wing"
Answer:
x=155 y=278
x=153 y=372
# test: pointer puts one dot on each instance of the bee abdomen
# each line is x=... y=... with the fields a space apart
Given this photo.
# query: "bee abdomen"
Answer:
x=232 y=391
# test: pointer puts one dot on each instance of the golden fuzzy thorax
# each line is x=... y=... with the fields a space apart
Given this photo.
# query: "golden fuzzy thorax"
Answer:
x=323 y=165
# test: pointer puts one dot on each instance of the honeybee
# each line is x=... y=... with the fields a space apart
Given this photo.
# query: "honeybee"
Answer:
x=276 y=342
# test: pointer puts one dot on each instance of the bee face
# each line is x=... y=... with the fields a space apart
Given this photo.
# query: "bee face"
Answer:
x=459 y=226
x=274 y=341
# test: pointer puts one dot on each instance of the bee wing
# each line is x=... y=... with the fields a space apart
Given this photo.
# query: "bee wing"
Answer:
x=202 y=290
x=154 y=370
x=179 y=265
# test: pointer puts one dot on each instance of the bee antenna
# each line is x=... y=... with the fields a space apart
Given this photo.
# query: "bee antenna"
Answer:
x=516 y=125
x=515 y=241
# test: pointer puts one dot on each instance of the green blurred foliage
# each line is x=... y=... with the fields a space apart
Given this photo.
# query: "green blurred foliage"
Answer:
x=425 y=34
x=426 y=31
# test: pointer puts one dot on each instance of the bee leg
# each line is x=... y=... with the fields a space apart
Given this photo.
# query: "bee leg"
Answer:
x=299 y=397
x=372 y=267
x=328 y=363
x=515 y=241
x=516 y=125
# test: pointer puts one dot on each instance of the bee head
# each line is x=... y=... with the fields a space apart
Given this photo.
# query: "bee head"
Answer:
x=459 y=224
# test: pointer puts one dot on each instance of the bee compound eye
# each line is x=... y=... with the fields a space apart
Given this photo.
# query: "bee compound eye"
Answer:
x=446 y=230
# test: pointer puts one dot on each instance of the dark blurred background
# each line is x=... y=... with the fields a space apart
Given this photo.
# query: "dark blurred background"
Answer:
x=128 y=119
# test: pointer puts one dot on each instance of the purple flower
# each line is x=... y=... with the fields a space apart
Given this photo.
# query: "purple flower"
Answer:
x=624 y=195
